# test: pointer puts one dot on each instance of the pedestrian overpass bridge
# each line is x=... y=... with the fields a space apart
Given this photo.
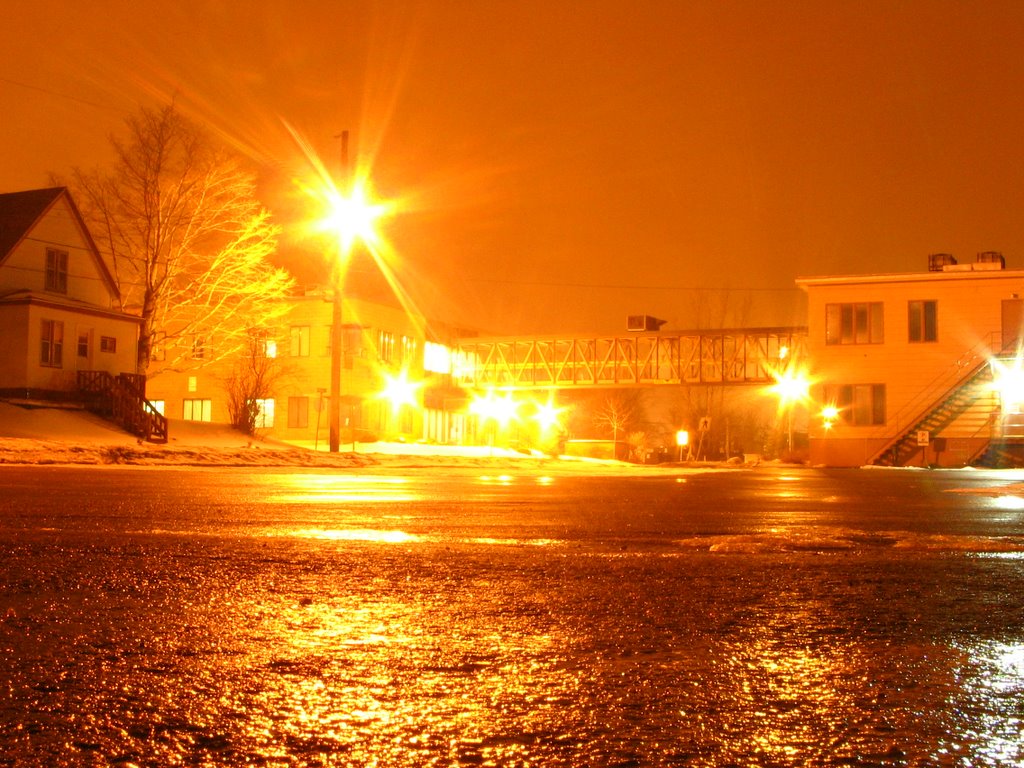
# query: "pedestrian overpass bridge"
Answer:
x=732 y=356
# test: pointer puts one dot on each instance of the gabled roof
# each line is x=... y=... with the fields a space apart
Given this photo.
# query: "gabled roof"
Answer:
x=19 y=212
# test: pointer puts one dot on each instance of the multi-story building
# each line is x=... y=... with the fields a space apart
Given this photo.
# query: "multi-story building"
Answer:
x=385 y=366
x=912 y=369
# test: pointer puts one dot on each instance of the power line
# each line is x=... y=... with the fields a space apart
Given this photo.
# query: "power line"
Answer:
x=626 y=287
x=59 y=95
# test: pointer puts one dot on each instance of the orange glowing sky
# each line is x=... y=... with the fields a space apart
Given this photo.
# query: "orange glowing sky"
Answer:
x=564 y=164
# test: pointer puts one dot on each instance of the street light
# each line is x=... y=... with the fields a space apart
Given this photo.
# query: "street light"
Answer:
x=350 y=216
x=791 y=386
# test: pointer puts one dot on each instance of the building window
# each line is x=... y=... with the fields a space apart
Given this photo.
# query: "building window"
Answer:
x=83 y=344
x=922 y=321
x=385 y=346
x=195 y=409
x=329 y=330
x=300 y=341
x=108 y=344
x=298 y=412
x=264 y=414
x=408 y=350
x=56 y=271
x=853 y=323
x=198 y=348
x=860 y=405
x=52 y=343
x=158 y=406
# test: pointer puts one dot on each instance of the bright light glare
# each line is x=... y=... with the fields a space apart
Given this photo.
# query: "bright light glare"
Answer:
x=399 y=391
x=353 y=217
x=1008 y=381
x=491 y=407
x=791 y=385
x=547 y=415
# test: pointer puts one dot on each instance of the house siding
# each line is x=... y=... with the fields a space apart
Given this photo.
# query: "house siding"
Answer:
x=915 y=374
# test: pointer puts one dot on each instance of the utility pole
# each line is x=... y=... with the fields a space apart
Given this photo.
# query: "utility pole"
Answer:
x=337 y=335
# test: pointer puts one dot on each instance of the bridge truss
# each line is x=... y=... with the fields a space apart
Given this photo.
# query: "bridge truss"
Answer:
x=741 y=356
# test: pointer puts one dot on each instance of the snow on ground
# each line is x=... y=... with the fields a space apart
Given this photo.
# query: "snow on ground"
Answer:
x=34 y=433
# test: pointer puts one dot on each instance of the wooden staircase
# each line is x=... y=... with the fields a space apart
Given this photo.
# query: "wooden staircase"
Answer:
x=122 y=399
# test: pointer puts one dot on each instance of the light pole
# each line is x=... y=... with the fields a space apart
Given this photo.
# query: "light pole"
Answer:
x=351 y=219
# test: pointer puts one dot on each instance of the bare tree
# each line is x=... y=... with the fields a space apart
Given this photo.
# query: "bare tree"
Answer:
x=187 y=240
x=253 y=378
x=618 y=412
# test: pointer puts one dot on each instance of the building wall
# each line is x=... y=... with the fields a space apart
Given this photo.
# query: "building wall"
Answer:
x=379 y=340
x=25 y=267
x=969 y=325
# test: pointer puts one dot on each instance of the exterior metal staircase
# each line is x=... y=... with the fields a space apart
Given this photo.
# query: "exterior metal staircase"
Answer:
x=950 y=406
x=122 y=399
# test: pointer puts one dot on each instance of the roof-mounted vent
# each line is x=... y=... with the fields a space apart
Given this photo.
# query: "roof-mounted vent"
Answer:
x=939 y=261
x=990 y=260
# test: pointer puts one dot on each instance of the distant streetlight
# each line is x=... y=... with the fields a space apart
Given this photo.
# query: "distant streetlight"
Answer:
x=791 y=386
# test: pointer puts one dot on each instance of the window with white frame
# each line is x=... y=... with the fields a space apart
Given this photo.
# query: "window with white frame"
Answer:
x=854 y=323
x=51 y=348
x=108 y=344
x=859 y=405
x=56 y=270
x=197 y=409
x=298 y=412
x=922 y=321
x=299 y=336
x=264 y=413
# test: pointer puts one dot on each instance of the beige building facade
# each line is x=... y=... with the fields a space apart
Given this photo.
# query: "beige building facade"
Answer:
x=59 y=304
x=383 y=376
x=902 y=365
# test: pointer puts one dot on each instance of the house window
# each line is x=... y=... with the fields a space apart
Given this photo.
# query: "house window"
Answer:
x=298 y=412
x=329 y=331
x=385 y=346
x=52 y=343
x=158 y=406
x=264 y=413
x=83 y=344
x=108 y=344
x=195 y=409
x=922 y=321
x=853 y=323
x=56 y=270
x=300 y=341
x=408 y=350
x=198 y=348
x=860 y=405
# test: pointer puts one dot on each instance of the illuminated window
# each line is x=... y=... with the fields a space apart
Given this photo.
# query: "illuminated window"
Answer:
x=158 y=406
x=860 y=405
x=108 y=344
x=922 y=321
x=195 y=409
x=300 y=341
x=409 y=347
x=51 y=352
x=436 y=358
x=264 y=413
x=56 y=271
x=385 y=346
x=853 y=323
x=298 y=412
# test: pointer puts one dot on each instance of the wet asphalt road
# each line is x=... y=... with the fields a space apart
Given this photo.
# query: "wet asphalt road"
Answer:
x=162 y=617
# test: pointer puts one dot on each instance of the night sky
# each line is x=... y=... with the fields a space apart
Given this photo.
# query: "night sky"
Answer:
x=560 y=165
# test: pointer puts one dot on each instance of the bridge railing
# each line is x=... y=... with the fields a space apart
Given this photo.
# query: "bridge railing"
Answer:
x=734 y=356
